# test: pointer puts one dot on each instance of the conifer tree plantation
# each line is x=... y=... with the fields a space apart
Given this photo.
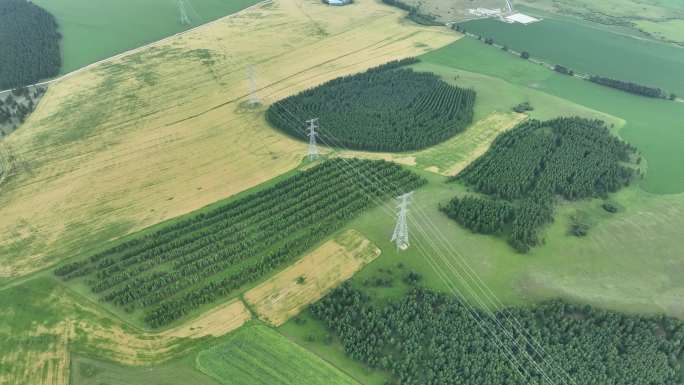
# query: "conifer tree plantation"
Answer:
x=201 y=260
x=387 y=108
x=30 y=44
x=427 y=338
x=529 y=167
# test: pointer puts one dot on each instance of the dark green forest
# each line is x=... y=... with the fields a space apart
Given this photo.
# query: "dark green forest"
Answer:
x=526 y=168
x=386 y=108
x=30 y=44
x=426 y=338
x=200 y=260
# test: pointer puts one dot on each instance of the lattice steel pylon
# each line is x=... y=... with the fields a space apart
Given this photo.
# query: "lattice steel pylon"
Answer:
x=184 y=19
x=401 y=234
x=253 y=97
x=313 y=150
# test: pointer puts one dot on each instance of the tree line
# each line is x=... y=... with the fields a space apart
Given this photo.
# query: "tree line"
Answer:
x=199 y=260
x=526 y=168
x=30 y=44
x=427 y=338
x=632 y=88
x=386 y=108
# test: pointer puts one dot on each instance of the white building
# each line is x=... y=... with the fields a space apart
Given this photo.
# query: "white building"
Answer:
x=520 y=18
x=338 y=2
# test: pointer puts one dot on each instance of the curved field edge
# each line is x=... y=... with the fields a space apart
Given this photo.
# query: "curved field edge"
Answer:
x=44 y=323
x=259 y=354
x=287 y=293
x=117 y=148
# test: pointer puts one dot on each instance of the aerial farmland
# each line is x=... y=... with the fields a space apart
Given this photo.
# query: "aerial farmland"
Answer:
x=365 y=192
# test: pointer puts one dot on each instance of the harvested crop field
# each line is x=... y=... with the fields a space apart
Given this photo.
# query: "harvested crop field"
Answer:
x=119 y=147
x=305 y=282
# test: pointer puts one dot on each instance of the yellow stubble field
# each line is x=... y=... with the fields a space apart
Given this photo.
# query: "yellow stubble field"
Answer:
x=309 y=279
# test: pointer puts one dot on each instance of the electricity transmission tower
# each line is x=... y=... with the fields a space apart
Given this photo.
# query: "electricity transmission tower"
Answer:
x=401 y=236
x=253 y=97
x=313 y=150
x=184 y=19
x=509 y=6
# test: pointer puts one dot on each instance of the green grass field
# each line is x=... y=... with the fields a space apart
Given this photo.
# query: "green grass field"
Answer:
x=630 y=262
x=95 y=30
x=259 y=355
x=655 y=127
x=592 y=49
x=88 y=371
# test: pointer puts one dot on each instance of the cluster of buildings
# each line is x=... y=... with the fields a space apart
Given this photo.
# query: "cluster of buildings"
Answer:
x=338 y=2
x=508 y=16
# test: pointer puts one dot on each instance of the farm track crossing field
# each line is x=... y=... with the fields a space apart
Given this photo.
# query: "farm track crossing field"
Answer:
x=200 y=260
x=257 y=354
x=94 y=31
x=589 y=49
x=119 y=147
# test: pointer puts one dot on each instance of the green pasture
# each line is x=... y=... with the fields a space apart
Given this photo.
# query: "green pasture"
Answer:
x=671 y=30
x=590 y=48
x=630 y=261
x=256 y=354
x=96 y=30
x=655 y=127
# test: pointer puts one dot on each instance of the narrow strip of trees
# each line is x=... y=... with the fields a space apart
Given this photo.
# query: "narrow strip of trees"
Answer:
x=632 y=88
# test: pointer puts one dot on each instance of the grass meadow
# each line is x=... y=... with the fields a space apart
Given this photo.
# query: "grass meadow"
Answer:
x=592 y=49
x=96 y=30
x=257 y=354
x=89 y=371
